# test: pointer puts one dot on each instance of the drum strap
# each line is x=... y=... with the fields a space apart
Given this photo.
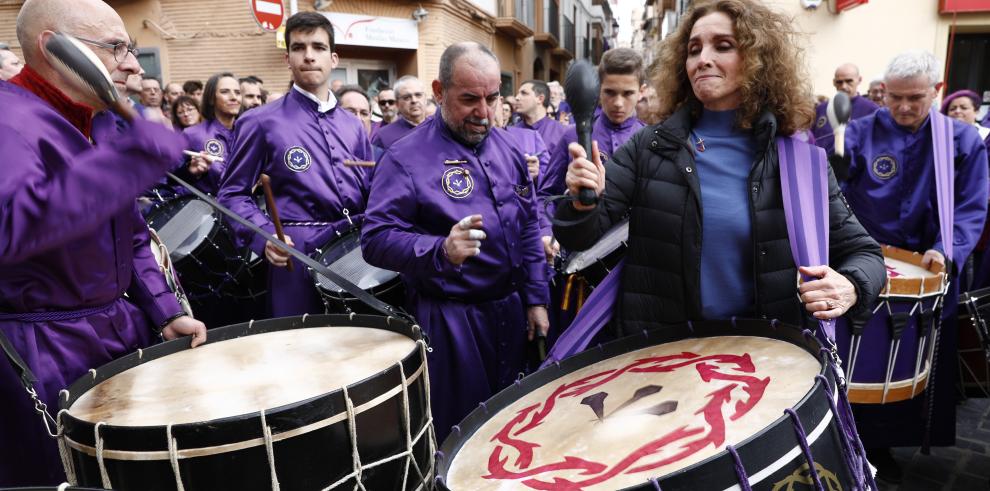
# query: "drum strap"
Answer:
x=804 y=185
x=944 y=156
x=349 y=287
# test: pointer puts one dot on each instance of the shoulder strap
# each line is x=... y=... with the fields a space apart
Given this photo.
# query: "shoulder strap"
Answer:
x=944 y=153
x=23 y=371
x=804 y=185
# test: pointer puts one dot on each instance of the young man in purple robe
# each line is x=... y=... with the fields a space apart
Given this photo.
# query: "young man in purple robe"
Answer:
x=847 y=79
x=213 y=137
x=532 y=103
x=71 y=240
x=308 y=146
x=459 y=223
x=410 y=96
x=891 y=188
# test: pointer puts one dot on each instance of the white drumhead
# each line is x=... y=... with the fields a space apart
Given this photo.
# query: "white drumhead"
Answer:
x=903 y=269
x=608 y=244
x=661 y=409
x=241 y=376
x=185 y=231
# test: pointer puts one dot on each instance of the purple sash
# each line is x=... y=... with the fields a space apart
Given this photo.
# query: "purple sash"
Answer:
x=595 y=313
x=804 y=184
x=944 y=150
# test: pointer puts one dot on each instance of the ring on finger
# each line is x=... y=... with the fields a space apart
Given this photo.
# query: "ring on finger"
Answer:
x=830 y=304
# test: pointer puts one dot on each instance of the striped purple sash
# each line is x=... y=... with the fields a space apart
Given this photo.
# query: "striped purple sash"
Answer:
x=944 y=150
x=804 y=184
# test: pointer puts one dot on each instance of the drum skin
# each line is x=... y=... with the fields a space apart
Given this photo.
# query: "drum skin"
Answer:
x=385 y=285
x=311 y=437
x=771 y=455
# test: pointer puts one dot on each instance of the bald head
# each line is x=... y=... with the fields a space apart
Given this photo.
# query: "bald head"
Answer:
x=847 y=79
x=478 y=56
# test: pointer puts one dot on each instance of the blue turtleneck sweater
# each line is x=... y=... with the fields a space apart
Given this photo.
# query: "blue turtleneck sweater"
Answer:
x=727 y=244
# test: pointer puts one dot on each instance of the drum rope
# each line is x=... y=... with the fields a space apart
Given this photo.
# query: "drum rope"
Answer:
x=173 y=457
x=407 y=422
x=656 y=484
x=266 y=431
x=428 y=429
x=355 y=456
x=62 y=487
x=930 y=406
x=104 y=477
x=802 y=438
x=852 y=460
x=63 y=447
x=848 y=421
x=741 y=474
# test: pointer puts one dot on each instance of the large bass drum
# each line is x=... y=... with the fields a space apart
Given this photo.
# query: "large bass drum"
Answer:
x=702 y=406
x=297 y=403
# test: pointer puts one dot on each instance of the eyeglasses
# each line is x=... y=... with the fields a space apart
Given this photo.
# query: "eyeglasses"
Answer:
x=119 y=49
x=386 y=102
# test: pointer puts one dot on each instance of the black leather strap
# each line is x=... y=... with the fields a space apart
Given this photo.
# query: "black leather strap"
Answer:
x=26 y=375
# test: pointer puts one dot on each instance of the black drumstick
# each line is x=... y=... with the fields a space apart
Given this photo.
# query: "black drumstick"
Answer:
x=838 y=111
x=581 y=87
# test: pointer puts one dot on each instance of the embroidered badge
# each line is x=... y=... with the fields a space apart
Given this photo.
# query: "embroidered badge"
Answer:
x=522 y=189
x=457 y=182
x=885 y=167
x=297 y=159
x=604 y=156
x=821 y=122
x=214 y=147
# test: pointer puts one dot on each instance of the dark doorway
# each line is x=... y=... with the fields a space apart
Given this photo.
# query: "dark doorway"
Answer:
x=970 y=65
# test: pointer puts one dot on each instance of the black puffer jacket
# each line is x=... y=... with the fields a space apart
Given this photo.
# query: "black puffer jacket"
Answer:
x=651 y=178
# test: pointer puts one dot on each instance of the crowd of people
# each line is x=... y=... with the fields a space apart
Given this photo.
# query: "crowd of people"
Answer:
x=448 y=180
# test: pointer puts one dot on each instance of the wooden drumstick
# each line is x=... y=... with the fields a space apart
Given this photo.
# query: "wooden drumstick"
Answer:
x=270 y=200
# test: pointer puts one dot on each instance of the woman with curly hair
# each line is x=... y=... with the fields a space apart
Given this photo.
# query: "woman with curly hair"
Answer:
x=707 y=235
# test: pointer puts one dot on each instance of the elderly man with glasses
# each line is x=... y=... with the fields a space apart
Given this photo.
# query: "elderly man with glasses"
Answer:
x=411 y=104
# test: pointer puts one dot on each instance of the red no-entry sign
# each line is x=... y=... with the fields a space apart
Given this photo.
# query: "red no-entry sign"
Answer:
x=268 y=13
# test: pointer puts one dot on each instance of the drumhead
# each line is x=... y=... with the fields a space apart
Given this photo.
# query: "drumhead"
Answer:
x=906 y=277
x=608 y=244
x=183 y=224
x=241 y=376
x=343 y=256
x=642 y=414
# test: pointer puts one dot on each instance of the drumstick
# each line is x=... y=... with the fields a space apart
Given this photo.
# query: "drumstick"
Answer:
x=270 y=200
x=211 y=158
x=359 y=163
x=838 y=112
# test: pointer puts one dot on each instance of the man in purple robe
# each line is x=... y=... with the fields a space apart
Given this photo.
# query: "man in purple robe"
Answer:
x=459 y=223
x=311 y=149
x=214 y=136
x=847 y=79
x=387 y=107
x=531 y=104
x=411 y=105
x=71 y=240
x=891 y=188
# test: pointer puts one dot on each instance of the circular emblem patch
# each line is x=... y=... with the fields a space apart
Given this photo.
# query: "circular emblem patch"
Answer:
x=214 y=147
x=297 y=159
x=885 y=167
x=821 y=122
x=604 y=156
x=457 y=182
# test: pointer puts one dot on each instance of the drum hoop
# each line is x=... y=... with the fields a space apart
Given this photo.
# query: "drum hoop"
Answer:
x=700 y=329
x=905 y=288
x=120 y=365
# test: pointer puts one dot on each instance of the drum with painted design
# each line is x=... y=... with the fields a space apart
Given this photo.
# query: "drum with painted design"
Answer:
x=343 y=256
x=889 y=359
x=297 y=403
x=660 y=411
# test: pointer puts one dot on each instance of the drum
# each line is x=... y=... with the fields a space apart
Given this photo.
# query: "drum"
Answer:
x=596 y=261
x=690 y=407
x=343 y=256
x=889 y=359
x=202 y=249
x=974 y=343
x=300 y=403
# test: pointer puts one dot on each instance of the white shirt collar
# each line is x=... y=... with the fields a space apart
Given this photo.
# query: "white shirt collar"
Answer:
x=323 y=106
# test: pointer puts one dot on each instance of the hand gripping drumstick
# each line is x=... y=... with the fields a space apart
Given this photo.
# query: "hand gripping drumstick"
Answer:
x=839 y=110
x=211 y=158
x=270 y=201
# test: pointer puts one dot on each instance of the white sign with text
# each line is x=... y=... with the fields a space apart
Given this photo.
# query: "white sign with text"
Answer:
x=378 y=32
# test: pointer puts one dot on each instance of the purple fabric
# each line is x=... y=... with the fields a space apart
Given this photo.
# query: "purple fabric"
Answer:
x=71 y=238
x=892 y=187
x=389 y=134
x=804 y=185
x=564 y=113
x=303 y=152
x=419 y=191
x=822 y=130
x=215 y=139
x=594 y=315
x=531 y=143
x=549 y=129
x=944 y=155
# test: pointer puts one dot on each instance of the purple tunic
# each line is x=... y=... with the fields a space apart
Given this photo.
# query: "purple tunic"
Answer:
x=376 y=126
x=71 y=239
x=531 y=143
x=215 y=139
x=389 y=134
x=474 y=314
x=822 y=130
x=891 y=188
x=549 y=129
x=303 y=152
x=610 y=137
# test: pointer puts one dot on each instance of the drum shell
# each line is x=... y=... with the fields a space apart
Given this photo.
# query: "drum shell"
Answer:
x=758 y=452
x=392 y=292
x=310 y=460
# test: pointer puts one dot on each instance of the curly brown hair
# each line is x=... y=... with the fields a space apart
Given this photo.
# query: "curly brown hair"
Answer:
x=773 y=67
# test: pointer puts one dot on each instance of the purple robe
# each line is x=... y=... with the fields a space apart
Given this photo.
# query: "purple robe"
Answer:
x=376 y=126
x=822 y=130
x=303 y=152
x=71 y=239
x=550 y=130
x=389 y=134
x=531 y=143
x=474 y=314
x=215 y=139
x=891 y=188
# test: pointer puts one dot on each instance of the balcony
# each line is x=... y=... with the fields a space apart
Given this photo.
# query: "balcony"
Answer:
x=566 y=50
x=516 y=18
x=549 y=34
